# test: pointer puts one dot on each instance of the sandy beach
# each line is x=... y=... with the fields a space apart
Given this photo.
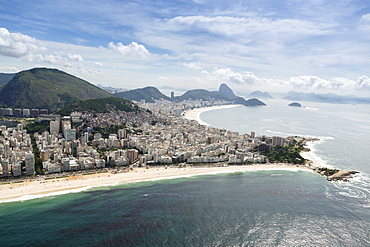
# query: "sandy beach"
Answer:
x=45 y=186
x=195 y=113
x=42 y=186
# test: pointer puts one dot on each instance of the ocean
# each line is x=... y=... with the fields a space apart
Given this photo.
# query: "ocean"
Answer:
x=259 y=208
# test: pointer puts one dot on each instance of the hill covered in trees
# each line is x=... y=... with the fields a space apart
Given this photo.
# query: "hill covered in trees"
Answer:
x=100 y=106
x=47 y=88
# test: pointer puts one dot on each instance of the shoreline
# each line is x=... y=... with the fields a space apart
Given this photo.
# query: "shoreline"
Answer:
x=194 y=114
x=44 y=187
x=315 y=163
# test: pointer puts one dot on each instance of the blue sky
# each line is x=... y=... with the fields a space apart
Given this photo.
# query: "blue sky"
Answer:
x=275 y=46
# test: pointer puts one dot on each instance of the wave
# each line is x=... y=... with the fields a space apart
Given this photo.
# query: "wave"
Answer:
x=311 y=108
x=356 y=192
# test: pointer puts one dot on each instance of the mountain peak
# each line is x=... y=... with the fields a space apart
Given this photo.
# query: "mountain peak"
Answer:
x=260 y=94
x=225 y=90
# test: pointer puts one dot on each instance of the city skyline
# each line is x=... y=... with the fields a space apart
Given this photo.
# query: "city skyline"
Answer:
x=317 y=46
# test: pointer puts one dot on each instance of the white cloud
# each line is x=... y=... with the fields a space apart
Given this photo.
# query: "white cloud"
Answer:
x=364 y=24
x=75 y=57
x=228 y=75
x=131 y=50
x=50 y=58
x=338 y=83
x=9 y=69
x=17 y=44
x=305 y=82
x=229 y=26
x=100 y=64
x=193 y=65
x=162 y=78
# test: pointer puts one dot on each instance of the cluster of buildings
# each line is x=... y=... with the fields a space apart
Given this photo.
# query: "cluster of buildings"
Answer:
x=171 y=139
x=185 y=141
x=23 y=112
x=16 y=153
x=61 y=150
x=120 y=118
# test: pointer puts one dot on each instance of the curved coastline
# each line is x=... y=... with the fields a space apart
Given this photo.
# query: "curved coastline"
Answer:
x=42 y=187
x=315 y=163
x=194 y=114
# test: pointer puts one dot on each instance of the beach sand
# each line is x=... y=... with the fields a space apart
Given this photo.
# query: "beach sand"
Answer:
x=194 y=114
x=41 y=187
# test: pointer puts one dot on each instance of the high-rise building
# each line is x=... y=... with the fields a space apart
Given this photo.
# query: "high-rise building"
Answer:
x=17 y=112
x=44 y=111
x=26 y=112
x=132 y=155
x=54 y=127
x=86 y=137
x=253 y=134
x=74 y=148
x=30 y=163
x=20 y=127
x=17 y=169
x=8 y=111
x=122 y=134
x=70 y=134
x=6 y=168
x=277 y=140
x=35 y=112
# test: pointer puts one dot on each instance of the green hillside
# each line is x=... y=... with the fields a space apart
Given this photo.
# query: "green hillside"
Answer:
x=47 y=88
x=149 y=94
x=5 y=78
x=201 y=94
x=100 y=106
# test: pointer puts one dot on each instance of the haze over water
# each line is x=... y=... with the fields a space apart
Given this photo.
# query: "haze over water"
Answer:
x=261 y=208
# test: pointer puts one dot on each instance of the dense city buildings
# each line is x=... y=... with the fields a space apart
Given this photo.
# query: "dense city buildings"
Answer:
x=164 y=137
x=16 y=152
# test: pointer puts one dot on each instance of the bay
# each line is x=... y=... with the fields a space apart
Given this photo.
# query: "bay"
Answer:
x=260 y=208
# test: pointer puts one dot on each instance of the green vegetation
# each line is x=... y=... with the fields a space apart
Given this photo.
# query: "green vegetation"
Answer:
x=327 y=171
x=36 y=153
x=105 y=132
x=287 y=154
x=201 y=94
x=5 y=78
x=37 y=126
x=47 y=88
x=149 y=94
x=100 y=106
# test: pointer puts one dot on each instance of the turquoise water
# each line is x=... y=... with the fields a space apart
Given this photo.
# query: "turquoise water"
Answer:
x=264 y=208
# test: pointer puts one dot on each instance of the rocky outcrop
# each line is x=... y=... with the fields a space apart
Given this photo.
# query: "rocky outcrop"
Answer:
x=335 y=174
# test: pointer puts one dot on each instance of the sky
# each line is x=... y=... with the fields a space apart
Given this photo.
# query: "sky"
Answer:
x=175 y=45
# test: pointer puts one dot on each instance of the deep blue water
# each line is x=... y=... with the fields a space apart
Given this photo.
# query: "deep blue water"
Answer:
x=264 y=208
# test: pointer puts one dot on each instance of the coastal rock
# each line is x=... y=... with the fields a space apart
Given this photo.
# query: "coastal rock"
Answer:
x=335 y=174
x=341 y=175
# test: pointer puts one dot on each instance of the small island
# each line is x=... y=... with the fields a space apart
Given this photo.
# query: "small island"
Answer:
x=295 y=104
x=250 y=102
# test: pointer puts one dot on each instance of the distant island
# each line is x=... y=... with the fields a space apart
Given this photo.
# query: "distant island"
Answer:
x=295 y=104
x=326 y=98
x=260 y=94
x=250 y=102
